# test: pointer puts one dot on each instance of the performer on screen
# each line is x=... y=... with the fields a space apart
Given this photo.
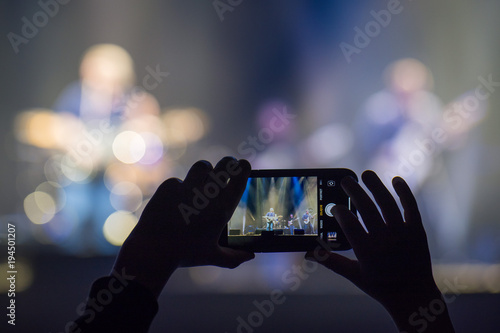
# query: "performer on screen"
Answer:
x=270 y=219
x=307 y=221
x=291 y=223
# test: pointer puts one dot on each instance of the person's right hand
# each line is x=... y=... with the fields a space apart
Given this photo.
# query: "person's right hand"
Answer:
x=393 y=262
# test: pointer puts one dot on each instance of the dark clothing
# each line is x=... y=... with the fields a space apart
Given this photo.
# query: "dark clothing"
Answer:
x=115 y=307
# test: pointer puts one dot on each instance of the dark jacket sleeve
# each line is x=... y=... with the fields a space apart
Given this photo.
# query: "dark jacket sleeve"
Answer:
x=116 y=305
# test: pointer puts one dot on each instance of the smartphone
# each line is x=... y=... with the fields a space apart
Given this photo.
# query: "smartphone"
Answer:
x=289 y=210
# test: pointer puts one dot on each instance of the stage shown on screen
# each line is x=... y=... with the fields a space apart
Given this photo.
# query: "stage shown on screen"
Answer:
x=277 y=205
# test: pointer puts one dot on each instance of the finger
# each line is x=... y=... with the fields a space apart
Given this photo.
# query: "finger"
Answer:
x=226 y=169
x=231 y=258
x=339 y=264
x=351 y=227
x=197 y=174
x=408 y=201
x=231 y=194
x=364 y=204
x=223 y=165
x=383 y=197
x=165 y=192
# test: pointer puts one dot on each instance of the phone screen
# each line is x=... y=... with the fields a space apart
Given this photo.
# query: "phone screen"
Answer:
x=285 y=205
x=289 y=210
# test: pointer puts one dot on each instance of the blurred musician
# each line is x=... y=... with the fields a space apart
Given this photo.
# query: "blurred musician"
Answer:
x=291 y=223
x=307 y=222
x=271 y=218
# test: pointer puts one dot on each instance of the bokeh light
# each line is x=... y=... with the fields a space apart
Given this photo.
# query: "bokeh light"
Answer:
x=60 y=228
x=154 y=148
x=129 y=147
x=409 y=75
x=77 y=169
x=55 y=191
x=39 y=207
x=185 y=125
x=118 y=226
x=467 y=278
x=118 y=172
x=23 y=281
x=126 y=196
x=330 y=143
x=205 y=275
x=38 y=127
x=216 y=152
x=53 y=172
x=107 y=67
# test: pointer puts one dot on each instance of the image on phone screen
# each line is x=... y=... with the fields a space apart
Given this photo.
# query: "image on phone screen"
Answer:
x=281 y=205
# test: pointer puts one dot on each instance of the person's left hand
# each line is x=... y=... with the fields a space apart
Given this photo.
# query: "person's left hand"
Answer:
x=182 y=224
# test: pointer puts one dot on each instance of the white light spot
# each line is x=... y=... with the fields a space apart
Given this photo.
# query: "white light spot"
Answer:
x=39 y=207
x=118 y=226
x=129 y=147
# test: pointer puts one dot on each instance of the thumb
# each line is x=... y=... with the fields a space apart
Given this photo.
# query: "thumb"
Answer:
x=339 y=264
x=231 y=258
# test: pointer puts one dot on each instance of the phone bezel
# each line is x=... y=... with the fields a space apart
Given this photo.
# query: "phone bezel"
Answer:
x=292 y=243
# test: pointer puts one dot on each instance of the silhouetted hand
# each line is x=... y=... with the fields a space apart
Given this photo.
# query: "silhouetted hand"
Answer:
x=393 y=262
x=182 y=224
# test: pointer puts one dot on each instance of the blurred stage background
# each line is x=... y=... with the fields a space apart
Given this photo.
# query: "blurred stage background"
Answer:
x=101 y=101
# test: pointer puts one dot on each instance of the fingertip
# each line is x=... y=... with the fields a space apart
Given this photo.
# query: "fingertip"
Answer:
x=171 y=181
x=368 y=174
x=347 y=182
x=249 y=256
x=235 y=167
x=202 y=164
x=400 y=185
x=168 y=185
x=234 y=258
x=341 y=214
x=340 y=210
x=242 y=260
x=397 y=181
x=245 y=164
x=370 y=178
x=198 y=172
x=245 y=167
x=226 y=159
x=348 y=179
